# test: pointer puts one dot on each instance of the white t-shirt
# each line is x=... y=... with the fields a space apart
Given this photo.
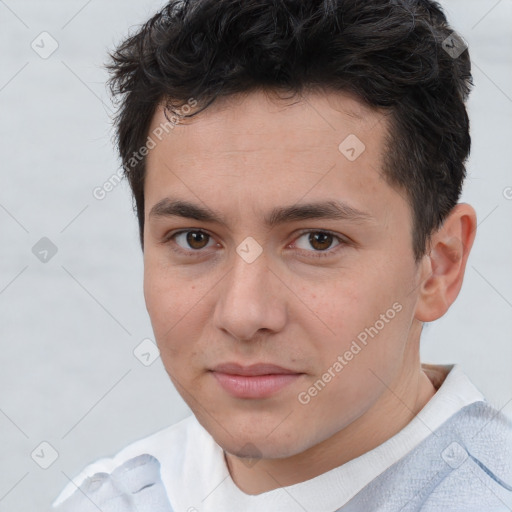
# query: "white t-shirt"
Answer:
x=196 y=477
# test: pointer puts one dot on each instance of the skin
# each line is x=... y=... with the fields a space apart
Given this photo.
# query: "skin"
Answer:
x=241 y=158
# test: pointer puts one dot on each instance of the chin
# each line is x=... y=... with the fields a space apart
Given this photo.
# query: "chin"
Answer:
x=258 y=444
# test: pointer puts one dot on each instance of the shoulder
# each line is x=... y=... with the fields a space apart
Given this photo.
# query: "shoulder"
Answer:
x=478 y=441
x=470 y=461
x=168 y=445
x=465 y=465
x=475 y=454
x=486 y=434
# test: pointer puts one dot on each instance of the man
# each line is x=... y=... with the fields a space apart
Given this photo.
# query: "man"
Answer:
x=296 y=169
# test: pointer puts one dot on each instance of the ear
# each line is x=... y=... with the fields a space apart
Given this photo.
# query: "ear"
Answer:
x=445 y=263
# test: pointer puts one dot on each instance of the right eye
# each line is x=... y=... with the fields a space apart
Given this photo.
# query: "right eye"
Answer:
x=188 y=242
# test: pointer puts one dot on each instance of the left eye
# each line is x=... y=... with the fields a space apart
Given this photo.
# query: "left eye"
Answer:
x=319 y=240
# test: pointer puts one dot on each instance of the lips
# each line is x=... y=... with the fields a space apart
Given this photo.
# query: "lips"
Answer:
x=252 y=370
x=260 y=380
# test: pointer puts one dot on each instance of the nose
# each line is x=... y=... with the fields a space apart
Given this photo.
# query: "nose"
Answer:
x=251 y=299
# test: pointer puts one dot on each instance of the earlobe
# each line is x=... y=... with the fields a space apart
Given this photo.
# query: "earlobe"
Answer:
x=445 y=264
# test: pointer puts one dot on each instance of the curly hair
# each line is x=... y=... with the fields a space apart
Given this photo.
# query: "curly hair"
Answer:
x=389 y=53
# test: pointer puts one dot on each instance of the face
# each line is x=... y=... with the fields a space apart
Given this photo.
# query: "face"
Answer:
x=278 y=268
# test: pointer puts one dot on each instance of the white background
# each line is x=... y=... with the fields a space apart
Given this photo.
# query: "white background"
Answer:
x=68 y=375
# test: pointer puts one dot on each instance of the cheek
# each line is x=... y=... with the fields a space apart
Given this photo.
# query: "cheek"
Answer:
x=365 y=316
x=159 y=296
x=167 y=306
x=351 y=365
x=168 y=296
x=178 y=310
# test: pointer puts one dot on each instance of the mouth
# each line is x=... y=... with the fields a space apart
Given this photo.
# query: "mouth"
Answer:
x=260 y=380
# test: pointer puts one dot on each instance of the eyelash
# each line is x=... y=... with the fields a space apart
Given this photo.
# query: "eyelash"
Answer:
x=315 y=254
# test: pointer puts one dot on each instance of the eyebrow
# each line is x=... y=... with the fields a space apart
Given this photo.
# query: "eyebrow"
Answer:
x=337 y=210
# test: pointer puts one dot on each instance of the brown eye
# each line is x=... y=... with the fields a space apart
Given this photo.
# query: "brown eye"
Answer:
x=196 y=239
x=191 y=240
x=320 y=241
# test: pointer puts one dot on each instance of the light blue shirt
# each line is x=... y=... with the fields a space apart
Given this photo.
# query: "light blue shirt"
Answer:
x=463 y=466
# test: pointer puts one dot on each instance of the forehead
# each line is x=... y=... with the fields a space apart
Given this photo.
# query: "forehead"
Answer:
x=246 y=120
x=253 y=152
